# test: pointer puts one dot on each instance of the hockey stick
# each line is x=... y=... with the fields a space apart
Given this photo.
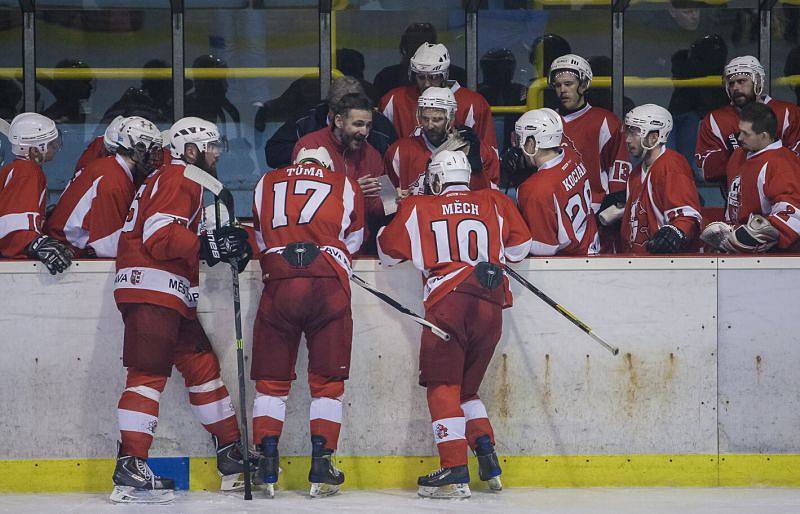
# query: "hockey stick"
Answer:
x=223 y=195
x=397 y=305
x=564 y=312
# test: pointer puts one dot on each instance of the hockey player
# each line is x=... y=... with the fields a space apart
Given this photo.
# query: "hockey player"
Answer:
x=23 y=194
x=556 y=201
x=156 y=291
x=346 y=142
x=595 y=133
x=92 y=209
x=309 y=220
x=717 y=137
x=662 y=212
x=459 y=239
x=101 y=146
x=429 y=68
x=406 y=161
x=764 y=190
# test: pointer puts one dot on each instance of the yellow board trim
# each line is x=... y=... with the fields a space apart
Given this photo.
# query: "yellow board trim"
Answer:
x=400 y=472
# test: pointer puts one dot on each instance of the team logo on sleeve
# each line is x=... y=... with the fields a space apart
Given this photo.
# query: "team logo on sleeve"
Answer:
x=136 y=277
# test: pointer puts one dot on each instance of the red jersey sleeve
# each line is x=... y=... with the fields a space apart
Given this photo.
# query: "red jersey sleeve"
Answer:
x=353 y=222
x=791 y=133
x=616 y=161
x=783 y=189
x=679 y=201
x=516 y=236
x=109 y=209
x=541 y=215
x=22 y=199
x=391 y=163
x=490 y=174
x=484 y=123
x=710 y=154
x=174 y=203
x=394 y=242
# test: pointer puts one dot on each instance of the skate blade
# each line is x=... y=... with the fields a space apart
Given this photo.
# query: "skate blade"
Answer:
x=445 y=491
x=235 y=482
x=319 y=490
x=127 y=494
x=495 y=484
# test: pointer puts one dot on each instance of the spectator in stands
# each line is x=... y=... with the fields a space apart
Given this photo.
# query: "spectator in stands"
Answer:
x=543 y=52
x=72 y=95
x=792 y=67
x=397 y=74
x=208 y=98
x=717 y=139
x=351 y=62
x=763 y=190
x=662 y=211
x=280 y=146
x=346 y=142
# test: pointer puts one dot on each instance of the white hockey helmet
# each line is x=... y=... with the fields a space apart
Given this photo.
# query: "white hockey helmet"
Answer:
x=650 y=118
x=430 y=59
x=32 y=130
x=574 y=64
x=543 y=125
x=202 y=133
x=319 y=155
x=136 y=131
x=438 y=98
x=749 y=66
x=112 y=133
x=448 y=167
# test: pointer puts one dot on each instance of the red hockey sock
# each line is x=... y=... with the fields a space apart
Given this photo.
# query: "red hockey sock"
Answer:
x=448 y=424
x=326 y=408
x=269 y=408
x=137 y=412
x=477 y=420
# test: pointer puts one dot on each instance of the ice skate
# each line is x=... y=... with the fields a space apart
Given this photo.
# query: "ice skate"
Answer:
x=231 y=468
x=269 y=465
x=324 y=477
x=134 y=482
x=488 y=465
x=445 y=483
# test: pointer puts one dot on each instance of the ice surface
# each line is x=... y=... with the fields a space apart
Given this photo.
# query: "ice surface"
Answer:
x=550 y=501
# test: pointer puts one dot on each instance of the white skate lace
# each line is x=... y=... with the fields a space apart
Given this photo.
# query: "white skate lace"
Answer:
x=145 y=470
x=434 y=473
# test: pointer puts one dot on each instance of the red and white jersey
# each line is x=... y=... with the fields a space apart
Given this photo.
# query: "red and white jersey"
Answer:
x=597 y=136
x=158 y=257
x=23 y=194
x=400 y=106
x=445 y=236
x=664 y=194
x=767 y=183
x=93 y=207
x=95 y=150
x=309 y=203
x=716 y=138
x=556 y=203
x=406 y=163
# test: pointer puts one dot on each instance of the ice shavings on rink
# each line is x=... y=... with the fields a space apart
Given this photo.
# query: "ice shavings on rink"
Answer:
x=533 y=501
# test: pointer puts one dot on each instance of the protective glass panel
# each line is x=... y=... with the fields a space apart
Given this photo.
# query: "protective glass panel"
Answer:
x=375 y=40
x=785 y=58
x=94 y=64
x=517 y=42
x=685 y=39
x=11 y=89
x=249 y=70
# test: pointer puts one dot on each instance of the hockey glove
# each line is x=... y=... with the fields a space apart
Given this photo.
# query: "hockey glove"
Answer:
x=225 y=244
x=474 y=155
x=52 y=252
x=756 y=236
x=668 y=239
x=612 y=208
x=513 y=168
x=716 y=235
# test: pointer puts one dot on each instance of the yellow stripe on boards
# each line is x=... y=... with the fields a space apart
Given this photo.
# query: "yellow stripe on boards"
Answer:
x=94 y=475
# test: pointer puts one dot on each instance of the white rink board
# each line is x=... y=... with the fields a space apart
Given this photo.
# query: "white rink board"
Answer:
x=549 y=390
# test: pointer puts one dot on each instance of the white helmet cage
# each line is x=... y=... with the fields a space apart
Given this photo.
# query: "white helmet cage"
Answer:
x=650 y=118
x=574 y=64
x=319 y=155
x=430 y=59
x=543 y=125
x=448 y=167
x=749 y=66
x=112 y=133
x=32 y=130
x=202 y=133
x=140 y=140
x=438 y=98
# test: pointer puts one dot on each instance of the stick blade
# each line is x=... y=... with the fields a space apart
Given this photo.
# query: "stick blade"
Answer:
x=195 y=174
